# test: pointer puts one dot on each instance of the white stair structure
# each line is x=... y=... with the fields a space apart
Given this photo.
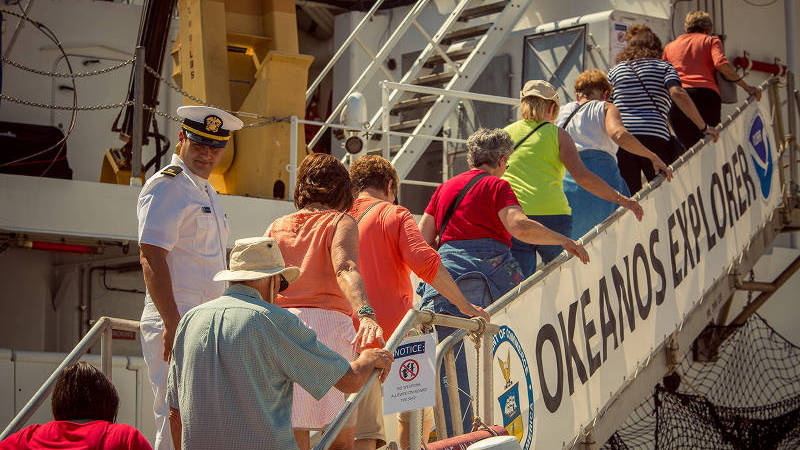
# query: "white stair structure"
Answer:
x=454 y=58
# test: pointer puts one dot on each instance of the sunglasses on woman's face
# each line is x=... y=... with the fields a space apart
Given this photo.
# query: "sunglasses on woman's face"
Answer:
x=284 y=284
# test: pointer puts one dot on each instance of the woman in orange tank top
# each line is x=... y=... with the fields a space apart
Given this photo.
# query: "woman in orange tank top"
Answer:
x=322 y=240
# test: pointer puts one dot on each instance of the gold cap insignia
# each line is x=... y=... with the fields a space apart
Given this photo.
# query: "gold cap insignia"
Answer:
x=213 y=123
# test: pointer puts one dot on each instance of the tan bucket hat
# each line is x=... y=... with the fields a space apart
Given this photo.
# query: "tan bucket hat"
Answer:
x=539 y=88
x=255 y=258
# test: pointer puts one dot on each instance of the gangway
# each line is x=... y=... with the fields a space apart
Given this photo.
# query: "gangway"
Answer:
x=587 y=344
x=454 y=57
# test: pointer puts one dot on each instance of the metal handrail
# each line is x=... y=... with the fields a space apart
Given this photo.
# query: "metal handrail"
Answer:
x=413 y=319
x=386 y=101
x=369 y=71
x=103 y=329
x=345 y=45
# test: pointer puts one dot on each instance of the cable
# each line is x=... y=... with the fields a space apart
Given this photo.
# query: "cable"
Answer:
x=62 y=142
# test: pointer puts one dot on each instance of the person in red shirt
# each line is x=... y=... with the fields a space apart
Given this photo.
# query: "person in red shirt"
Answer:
x=697 y=55
x=85 y=406
x=477 y=238
x=390 y=247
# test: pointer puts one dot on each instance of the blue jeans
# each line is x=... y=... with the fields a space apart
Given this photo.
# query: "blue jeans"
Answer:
x=525 y=253
x=484 y=270
x=587 y=209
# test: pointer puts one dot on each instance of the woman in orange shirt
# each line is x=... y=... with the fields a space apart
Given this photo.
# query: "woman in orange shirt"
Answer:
x=696 y=55
x=322 y=240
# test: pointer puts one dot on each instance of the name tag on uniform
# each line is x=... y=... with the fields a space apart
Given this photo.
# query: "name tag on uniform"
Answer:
x=206 y=209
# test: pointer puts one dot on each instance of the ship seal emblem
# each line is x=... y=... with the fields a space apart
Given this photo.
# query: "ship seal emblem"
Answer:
x=510 y=400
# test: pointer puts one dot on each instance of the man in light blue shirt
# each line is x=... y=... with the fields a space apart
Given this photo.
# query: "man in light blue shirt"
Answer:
x=235 y=359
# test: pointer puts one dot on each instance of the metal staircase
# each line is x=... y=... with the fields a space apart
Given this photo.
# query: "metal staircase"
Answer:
x=453 y=59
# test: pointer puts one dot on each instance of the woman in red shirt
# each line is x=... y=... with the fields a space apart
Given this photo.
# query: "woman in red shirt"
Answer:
x=697 y=55
x=85 y=406
x=478 y=239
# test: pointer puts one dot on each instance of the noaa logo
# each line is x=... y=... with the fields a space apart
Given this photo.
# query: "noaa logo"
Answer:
x=761 y=153
x=510 y=399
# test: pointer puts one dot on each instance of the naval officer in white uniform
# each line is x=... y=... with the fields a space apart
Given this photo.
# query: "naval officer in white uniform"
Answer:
x=183 y=235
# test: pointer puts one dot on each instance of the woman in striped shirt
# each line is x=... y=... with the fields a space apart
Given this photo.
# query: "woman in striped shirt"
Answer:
x=644 y=88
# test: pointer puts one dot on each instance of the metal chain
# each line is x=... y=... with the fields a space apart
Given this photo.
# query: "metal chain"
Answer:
x=64 y=107
x=66 y=75
x=269 y=120
x=179 y=120
x=162 y=114
x=175 y=87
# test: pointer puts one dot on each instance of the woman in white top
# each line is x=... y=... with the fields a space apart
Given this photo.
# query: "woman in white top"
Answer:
x=596 y=127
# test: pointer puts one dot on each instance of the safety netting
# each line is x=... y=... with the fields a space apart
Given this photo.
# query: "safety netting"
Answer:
x=746 y=395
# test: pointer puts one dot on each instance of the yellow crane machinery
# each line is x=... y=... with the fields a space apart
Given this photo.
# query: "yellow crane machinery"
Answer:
x=243 y=55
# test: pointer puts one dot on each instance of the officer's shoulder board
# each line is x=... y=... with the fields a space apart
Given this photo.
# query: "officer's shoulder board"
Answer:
x=172 y=171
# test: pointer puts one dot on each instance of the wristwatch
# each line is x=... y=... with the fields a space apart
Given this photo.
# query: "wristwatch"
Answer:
x=366 y=311
x=703 y=130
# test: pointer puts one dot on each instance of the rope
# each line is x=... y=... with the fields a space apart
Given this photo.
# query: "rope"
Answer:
x=66 y=75
x=476 y=335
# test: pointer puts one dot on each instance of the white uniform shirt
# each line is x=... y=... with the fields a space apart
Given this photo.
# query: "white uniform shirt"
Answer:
x=182 y=215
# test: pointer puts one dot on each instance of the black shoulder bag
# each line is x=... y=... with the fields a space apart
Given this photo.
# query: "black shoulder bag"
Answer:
x=452 y=208
x=367 y=210
x=529 y=134
x=572 y=114
x=677 y=147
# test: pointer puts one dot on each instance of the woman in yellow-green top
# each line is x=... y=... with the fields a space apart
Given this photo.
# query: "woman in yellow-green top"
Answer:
x=543 y=153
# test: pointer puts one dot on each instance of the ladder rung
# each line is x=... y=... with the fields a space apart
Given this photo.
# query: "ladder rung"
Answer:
x=455 y=55
x=415 y=103
x=482 y=10
x=405 y=125
x=465 y=33
x=435 y=79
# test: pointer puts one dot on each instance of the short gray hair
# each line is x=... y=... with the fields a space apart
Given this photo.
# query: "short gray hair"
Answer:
x=488 y=146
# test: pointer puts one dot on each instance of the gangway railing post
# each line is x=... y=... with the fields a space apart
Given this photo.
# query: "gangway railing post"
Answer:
x=487 y=394
x=791 y=137
x=105 y=351
x=452 y=393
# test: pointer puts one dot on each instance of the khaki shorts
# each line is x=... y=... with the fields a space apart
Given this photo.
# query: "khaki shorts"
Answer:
x=369 y=416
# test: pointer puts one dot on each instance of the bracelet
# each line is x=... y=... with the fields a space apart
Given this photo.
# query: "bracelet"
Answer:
x=366 y=311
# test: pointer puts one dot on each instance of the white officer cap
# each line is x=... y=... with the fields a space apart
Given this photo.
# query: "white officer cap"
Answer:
x=207 y=125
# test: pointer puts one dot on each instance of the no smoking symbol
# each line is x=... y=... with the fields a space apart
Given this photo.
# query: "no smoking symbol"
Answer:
x=409 y=370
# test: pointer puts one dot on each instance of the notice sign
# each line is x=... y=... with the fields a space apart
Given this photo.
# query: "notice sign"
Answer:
x=411 y=382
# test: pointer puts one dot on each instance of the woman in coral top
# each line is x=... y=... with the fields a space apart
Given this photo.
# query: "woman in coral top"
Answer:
x=696 y=55
x=322 y=240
